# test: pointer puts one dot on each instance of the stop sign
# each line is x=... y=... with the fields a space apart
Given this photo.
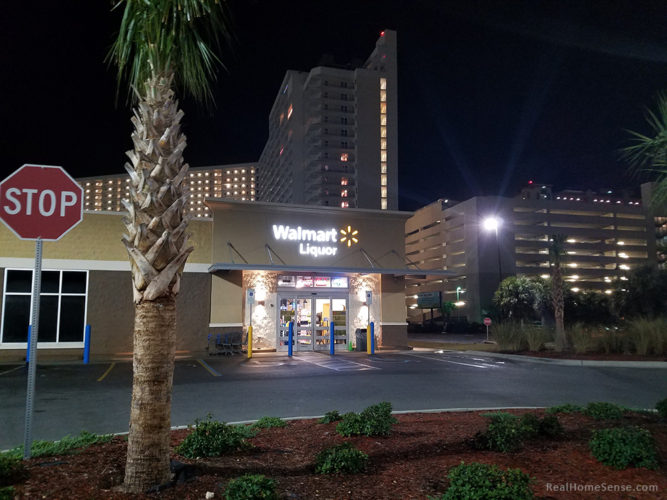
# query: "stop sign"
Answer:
x=487 y=321
x=39 y=201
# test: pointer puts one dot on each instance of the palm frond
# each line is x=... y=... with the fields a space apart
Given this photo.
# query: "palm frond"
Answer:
x=648 y=153
x=180 y=37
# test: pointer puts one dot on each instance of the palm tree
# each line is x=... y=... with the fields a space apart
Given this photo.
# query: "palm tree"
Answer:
x=650 y=153
x=556 y=251
x=160 y=44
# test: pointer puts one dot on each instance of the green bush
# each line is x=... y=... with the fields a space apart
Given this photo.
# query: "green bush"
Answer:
x=565 y=408
x=376 y=420
x=661 y=406
x=7 y=493
x=268 y=422
x=612 y=341
x=12 y=470
x=251 y=487
x=477 y=481
x=648 y=336
x=581 y=338
x=603 y=411
x=330 y=416
x=509 y=336
x=343 y=458
x=504 y=433
x=63 y=446
x=623 y=447
x=551 y=427
x=210 y=438
x=530 y=424
x=536 y=337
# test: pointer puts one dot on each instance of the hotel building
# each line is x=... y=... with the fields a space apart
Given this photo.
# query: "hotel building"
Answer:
x=606 y=236
x=333 y=135
x=236 y=182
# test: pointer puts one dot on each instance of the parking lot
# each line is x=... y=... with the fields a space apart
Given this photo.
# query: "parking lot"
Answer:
x=96 y=397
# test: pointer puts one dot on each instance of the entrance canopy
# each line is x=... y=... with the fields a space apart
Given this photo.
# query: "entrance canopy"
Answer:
x=222 y=267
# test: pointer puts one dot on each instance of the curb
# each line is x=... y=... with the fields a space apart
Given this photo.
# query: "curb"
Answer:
x=566 y=362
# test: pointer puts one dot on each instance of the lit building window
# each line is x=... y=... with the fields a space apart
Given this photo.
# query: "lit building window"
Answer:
x=383 y=107
x=343 y=193
x=383 y=144
x=383 y=192
x=383 y=83
x=383 y=96
x=383 y=120
x=289 y=111
x=343 y=157
x=383 y=203
x=383 y=157
x=383 y=180
x=344 y=204
x=343 y=181
x=383 y=131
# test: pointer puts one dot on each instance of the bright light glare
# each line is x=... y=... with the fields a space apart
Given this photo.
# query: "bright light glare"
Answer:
x=460 y=303
x=491 y=223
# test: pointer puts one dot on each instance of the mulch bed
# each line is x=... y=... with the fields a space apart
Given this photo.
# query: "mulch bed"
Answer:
x=412 y=463
x=593 y=356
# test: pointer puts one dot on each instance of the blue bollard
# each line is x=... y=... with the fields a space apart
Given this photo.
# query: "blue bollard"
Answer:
x=27 y=354
x=290 y=336
x=331 y=338
x=86 y=346
x=372 y=338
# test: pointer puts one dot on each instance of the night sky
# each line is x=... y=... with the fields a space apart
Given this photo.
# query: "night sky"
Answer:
x=491 y=94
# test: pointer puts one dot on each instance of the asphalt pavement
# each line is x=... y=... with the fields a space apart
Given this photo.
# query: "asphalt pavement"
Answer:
x=96 y=397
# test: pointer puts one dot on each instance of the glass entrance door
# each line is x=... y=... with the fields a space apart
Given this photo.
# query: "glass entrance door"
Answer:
x=312 y=318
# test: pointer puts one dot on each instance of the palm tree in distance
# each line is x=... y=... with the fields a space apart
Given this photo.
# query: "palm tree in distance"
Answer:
x=649 y=153
x=556 y=251
x=161 y=44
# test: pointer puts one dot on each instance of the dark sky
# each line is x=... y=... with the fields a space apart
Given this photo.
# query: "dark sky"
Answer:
x=491 y=94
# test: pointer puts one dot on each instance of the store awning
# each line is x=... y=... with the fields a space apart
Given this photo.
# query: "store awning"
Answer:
x=223 y=267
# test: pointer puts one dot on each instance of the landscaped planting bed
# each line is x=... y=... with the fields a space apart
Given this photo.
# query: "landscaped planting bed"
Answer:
x=413 y=461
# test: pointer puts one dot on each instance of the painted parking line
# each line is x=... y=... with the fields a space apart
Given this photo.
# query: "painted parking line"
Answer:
x=106 y=372
x=209 y=368
x=12 y=370
x=442 y=360
x=333 y=363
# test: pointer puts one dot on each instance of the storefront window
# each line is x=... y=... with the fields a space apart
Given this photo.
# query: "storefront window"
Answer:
x=62 y=311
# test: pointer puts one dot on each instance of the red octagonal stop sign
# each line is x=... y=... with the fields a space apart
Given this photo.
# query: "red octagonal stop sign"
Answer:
x=39 y=201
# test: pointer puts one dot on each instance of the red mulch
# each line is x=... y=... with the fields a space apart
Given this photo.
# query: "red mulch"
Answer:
x=594 y=356
x=412 y=463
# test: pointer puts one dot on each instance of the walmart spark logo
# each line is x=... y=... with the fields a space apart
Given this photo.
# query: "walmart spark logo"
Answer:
x=349 y=236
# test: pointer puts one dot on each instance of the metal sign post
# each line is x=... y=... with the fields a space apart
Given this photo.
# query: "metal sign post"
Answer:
x=32 y=355
x=487 y=322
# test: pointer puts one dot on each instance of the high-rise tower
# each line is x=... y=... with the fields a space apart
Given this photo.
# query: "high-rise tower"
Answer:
x=333 y=137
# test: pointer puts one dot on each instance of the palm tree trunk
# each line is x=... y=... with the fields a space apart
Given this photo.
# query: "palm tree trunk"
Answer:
x=559 y=308
x=148 y=449
x=157 y=245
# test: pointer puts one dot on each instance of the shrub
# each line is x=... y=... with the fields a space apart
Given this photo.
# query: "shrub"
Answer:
x=504 y=433
x=509 y=336
x=65 y=445
x=648 y=336
x=612 y=341
x=343 y=458
x=581 y=338
x=661 y=406
x=565 y=408
x=551 y=427
x=603 y=411
x=623 y=447
x=7 y=493
x=268 y=422
x=376 y=420
x=330 y=416
x=12 y=470
x=530 y=424
x=210 y=438
x=474 y=481
x=536 y=337
x=251 y=487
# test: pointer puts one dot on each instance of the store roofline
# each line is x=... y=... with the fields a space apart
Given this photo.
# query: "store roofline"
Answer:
x=222 y=267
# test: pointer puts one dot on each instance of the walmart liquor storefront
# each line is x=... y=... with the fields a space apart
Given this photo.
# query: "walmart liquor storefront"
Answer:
x=310 y=265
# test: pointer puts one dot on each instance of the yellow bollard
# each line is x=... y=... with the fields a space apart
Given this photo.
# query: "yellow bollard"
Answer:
x=368 y=339
x=249 y=342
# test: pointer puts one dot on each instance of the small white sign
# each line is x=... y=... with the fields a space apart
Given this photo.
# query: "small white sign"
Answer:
x=369 y=297
x=251 y=295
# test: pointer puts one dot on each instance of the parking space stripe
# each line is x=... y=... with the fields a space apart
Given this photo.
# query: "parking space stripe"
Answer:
x=106 y=372
x=485 y=365
x=208 y=368
x=12 y=370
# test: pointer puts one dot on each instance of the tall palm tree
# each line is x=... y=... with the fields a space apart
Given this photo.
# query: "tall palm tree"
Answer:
x=649 y=152
x=161 y=44
x=556 y=251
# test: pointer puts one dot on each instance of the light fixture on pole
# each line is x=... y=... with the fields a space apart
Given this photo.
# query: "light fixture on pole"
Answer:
x=490 y=224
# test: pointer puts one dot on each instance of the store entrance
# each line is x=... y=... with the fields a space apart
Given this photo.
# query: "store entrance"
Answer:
x=312 y=315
